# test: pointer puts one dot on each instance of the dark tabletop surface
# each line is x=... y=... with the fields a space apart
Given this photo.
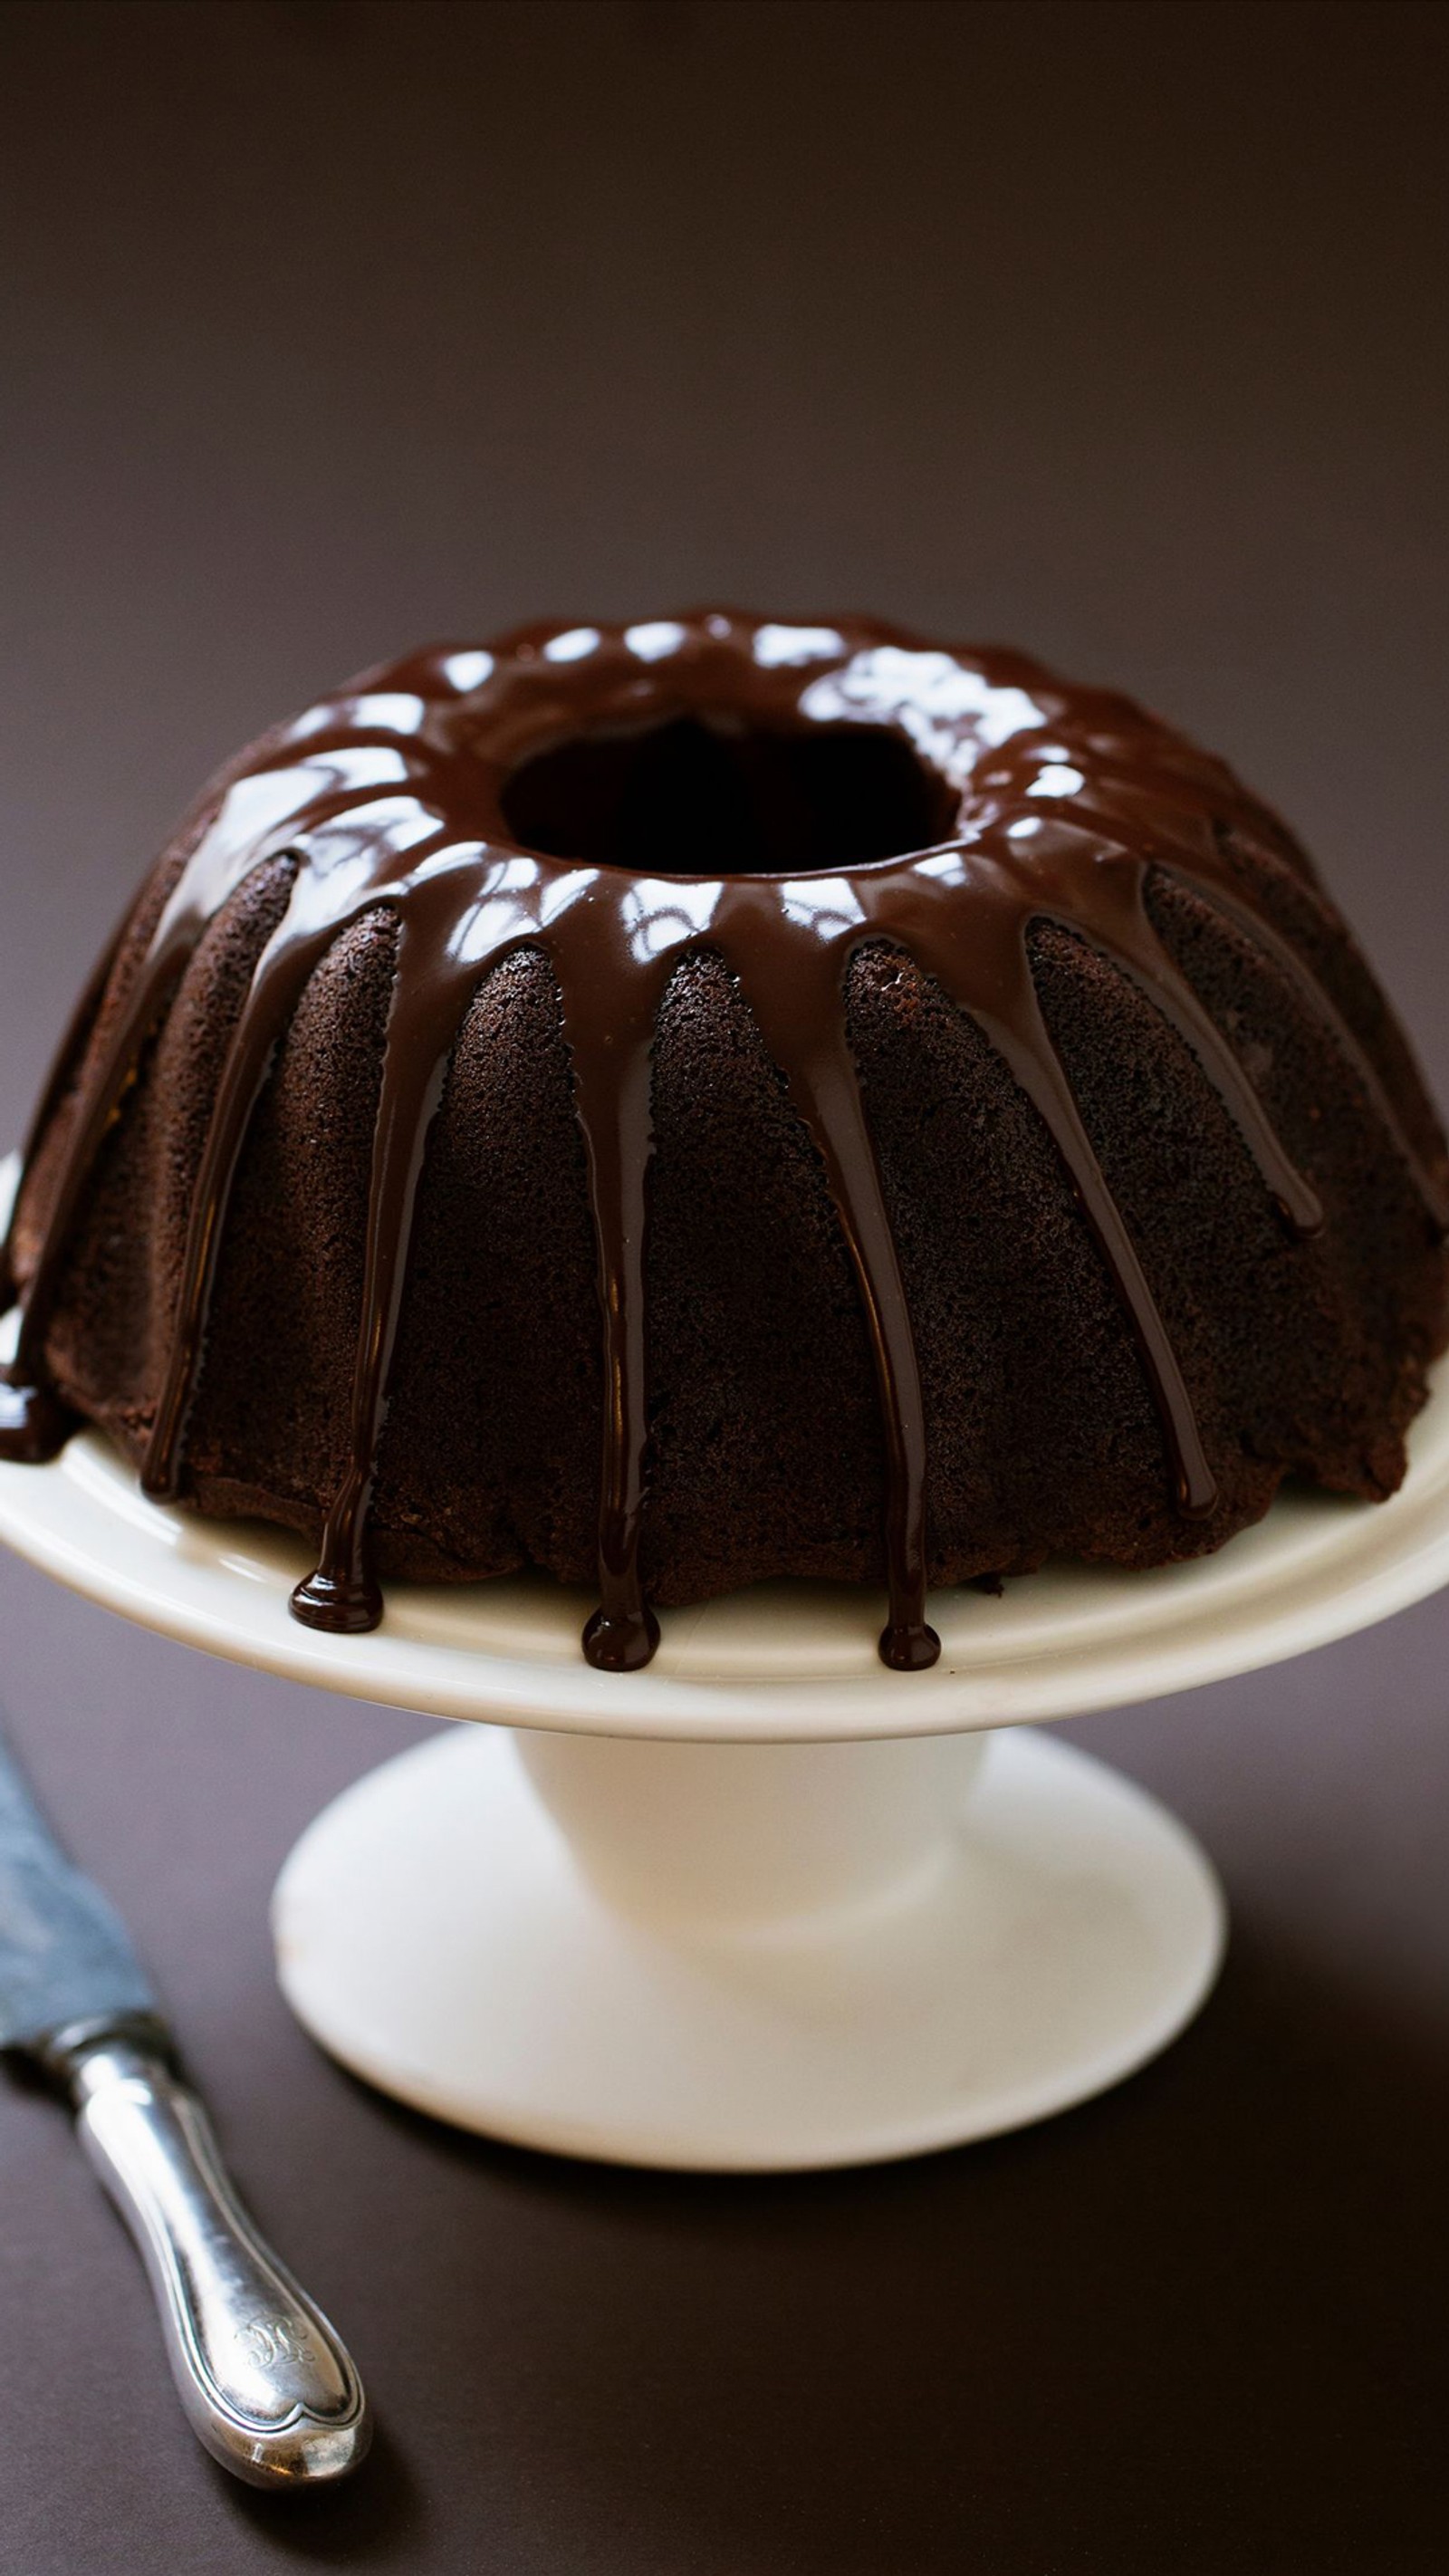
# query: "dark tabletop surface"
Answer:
x=1116 y=331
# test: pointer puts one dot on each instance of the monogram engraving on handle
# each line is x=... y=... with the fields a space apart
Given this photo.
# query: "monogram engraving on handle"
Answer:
x=270 y=2340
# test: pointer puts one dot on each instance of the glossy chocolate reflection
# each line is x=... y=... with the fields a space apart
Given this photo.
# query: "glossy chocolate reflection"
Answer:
x=616 y=798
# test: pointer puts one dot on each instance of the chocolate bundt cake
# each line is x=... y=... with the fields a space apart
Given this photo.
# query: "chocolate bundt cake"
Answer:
x=911 y=1114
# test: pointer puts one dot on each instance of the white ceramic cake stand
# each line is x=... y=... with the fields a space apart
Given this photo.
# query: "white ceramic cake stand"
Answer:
x=765 y=1904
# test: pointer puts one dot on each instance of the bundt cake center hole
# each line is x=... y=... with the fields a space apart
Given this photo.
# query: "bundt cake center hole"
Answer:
x=705 y=794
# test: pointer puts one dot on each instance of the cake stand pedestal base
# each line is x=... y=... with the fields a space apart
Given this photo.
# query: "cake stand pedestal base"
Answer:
x=745 y=1957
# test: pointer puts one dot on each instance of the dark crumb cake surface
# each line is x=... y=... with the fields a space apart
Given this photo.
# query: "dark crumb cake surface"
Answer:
x=765 y=1440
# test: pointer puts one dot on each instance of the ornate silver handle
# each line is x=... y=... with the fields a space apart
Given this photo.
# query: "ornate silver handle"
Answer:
x=265 y=2382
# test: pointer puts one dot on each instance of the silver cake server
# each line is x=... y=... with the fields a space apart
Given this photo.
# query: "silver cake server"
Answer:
x=264 y=2380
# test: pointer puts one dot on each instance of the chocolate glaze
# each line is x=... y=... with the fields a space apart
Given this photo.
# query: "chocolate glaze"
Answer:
x=1056 y=801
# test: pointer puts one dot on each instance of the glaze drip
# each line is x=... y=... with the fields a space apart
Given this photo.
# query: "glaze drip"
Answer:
x=1058 y=804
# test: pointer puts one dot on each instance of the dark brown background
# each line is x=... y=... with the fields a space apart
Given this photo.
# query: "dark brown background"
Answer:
x=1117 y=331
